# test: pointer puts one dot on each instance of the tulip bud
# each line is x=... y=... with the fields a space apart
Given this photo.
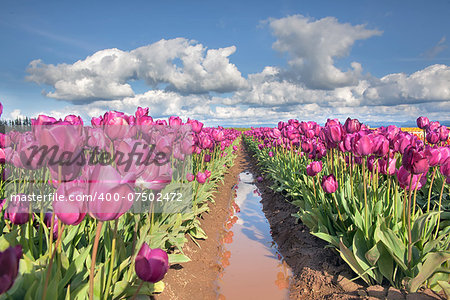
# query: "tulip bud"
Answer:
x=208 y=173
x=9 y=260
x=151 y=264
x=423 y=122
x=329 y=184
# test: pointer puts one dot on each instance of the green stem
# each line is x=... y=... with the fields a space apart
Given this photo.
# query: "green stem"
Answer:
x=439 y=209
x=94 y=258
x=409 y=222
x=429 y=190
x=138 y=289
x=366 y=213
x=111 y=265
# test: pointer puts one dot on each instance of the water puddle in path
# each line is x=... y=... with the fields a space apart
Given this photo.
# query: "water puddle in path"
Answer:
x=252 y=266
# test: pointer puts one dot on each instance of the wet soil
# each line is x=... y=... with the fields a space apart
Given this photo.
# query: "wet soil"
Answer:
x=317 y=272
x=197 y=279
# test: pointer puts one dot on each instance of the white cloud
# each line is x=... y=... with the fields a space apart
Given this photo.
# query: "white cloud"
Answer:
x=312 y=46
x=429 y=84
x=184 y=65
x=310 y=88
x=16 y=114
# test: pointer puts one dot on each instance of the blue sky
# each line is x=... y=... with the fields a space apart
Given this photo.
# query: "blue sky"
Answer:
x=314 y=81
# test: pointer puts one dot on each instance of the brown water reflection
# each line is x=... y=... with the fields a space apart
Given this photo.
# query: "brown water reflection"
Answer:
x=252 y=268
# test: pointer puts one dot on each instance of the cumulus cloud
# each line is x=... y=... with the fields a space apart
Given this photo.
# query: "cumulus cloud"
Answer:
x=183 y=65
x=429 y=84
x=313 y=45
x=181 y=74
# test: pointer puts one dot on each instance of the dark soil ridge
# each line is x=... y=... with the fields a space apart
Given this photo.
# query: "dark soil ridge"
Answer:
x=317 y=272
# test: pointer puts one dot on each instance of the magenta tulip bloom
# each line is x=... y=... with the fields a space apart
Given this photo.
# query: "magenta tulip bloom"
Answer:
x=18 y=212
x=415 y=161
x=445 y=168
x=423 y=122
x=383 y=166
x=9 y=260
x=329 y=184
x=445 y=153
x=175 y=121
x=196 y=125
x=1 y=108
x=352 y=125
x=151 y=264
x=259 y=179
x=105 y=182
x=433 y=154
x=432 y=137
x=363 y=145
x=270 y=154
x=201 y=177
x=207 y=158
x=404 y=178
x=208 y=173
x=73 y=211
x=314 y=168
x=190 y=177
x=334 y=133
x=443 y=133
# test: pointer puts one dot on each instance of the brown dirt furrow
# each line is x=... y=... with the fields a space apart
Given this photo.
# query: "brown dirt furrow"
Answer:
x=197 y=279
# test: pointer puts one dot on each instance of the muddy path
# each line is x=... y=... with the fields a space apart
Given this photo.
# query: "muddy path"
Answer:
x=316 y=272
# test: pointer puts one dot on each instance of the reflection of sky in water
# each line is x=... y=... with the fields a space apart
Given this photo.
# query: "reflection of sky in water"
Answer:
x=253 y=270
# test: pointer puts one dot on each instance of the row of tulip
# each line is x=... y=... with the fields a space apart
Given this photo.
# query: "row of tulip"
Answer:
x=378 y=196
x=103 y=249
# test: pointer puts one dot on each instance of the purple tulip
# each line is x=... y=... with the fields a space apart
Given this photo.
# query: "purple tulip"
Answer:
x=363 y=145
x=352 y=125
x=445 y=168
x=208 y=173
x=445 y=153
x=207 y=158
x=259 y=179
x=73 y=211
x=196 y=125
x=106 y=182
x=201 y=177
x=270 y=154
x=415 y=161
x=9 y=260
x=423 y=122
x=404 y=179
x=432 y=137
x=151 y=264
x=329 y=184
x=383 y=166
x=175 y=121
x=314 y=168
x=190 y=177
x=1 y=108
x=433 y=154
x=18 y=212
x=443 y=133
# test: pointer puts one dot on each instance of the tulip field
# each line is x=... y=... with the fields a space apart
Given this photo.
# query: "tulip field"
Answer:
x=379 y=197
x=80 y=220
x=104 y=248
